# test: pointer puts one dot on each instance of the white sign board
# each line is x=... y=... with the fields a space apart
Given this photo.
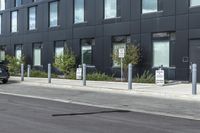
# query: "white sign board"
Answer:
x=160 y=77
x=79 y=73
x=121 y=52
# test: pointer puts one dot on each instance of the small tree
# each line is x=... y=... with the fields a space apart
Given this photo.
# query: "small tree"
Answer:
x=66 y=62
x=132 y=55
x=14 y=64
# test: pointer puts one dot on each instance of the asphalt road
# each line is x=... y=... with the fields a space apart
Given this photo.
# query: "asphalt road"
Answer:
x=27 y=115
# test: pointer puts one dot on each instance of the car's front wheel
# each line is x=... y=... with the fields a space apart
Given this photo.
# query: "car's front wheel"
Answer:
x=5 y=81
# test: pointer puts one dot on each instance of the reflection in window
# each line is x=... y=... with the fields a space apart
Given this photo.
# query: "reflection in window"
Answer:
x=32 y=18
x=117 y=43
x=161 y=53
x=194 y=2
x=53 y=14
x=86 y=51
x=14 y=21
x=18 y=52
x=37 y=55
x=149 y=6
x=0 y=23
x=79 y=11
x=2 y=4
x=18 y=3
x=110 y=9
x=2 y=53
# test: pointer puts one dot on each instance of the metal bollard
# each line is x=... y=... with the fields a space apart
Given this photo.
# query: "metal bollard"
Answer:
x=84 y=74
x=22 y=72
x=28 y=71
x=130 y=78
x=194 y=79
x=49 y=73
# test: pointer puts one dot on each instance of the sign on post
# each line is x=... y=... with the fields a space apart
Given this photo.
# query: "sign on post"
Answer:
x=79 y=73
x=121 y=55
x=121 y=52
x=160 y=77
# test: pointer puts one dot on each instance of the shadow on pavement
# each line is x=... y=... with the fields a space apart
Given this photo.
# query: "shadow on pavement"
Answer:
x=10 y=82
x=91 y=113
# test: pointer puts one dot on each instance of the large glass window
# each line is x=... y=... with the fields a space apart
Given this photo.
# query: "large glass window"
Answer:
x=2 y=4
x=0 y=23
x=149 y=6
x=37 y=55
x=194 y=2
x=110 y=9
x=59 y=48
x=86 y=51
x=14 y=21
x=32 y=18
x=18 y=51
x=18 y=3
x=117 y=43
x=78 y=11
x=2 y=53
x=53 y=14
x=161 y=53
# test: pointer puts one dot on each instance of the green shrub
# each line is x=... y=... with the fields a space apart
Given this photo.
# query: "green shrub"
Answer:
x=132 y=55
x=71 y=75
x=65 y=63
x=99 y=77
x=146 y=77
x=40 y=74
x=14 y=64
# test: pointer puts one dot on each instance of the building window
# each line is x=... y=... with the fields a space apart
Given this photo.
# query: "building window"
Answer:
x=53 y=14
x=2 y=4
x=163 y=47
x=86 y=51
x=1 y=24
x=161 y=53
x=18 y=51
x=32 y=18
x=110 y=9
x=37 y=51
x=2 y=53
x=149 y=6
x=59 y=48
x=117 y=43
x=14 y=21
x=18 y=3
x=79 y=11
x=194 y=3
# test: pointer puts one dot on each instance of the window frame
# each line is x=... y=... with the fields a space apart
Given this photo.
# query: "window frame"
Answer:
x=104 y=10
x=190 y=5
x=49 y=13
x=92 y=49
x=1 y=5
x=12 y=21
x=16 y=4
x=84 y=15
x=29 y=18
x=37 y=46
x=158 y=8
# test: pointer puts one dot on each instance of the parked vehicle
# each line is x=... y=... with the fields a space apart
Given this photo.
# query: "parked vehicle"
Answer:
x=4 y=73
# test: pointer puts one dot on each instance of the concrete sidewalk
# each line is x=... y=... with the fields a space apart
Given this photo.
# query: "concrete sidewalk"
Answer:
x=171 y=91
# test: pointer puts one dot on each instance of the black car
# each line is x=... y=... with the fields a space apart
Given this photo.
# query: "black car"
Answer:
x=4 y=74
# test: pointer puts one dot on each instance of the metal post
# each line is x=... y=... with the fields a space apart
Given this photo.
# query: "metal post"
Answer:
x=84 y=74
x=49 y=73
x=22 y=72
x=130 y=78
x=28 y=70
x=194 y=79
x=121 y=69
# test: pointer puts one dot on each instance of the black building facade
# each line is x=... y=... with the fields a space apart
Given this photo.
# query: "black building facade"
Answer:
x=172 y=27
